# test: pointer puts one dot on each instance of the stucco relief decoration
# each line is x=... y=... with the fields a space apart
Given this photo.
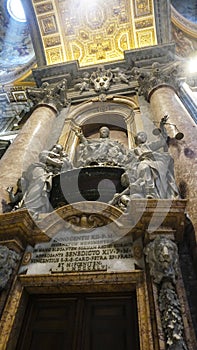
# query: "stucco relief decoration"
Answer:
x=145 y=32
x=184 y=45
x=157 y=75
x=86 y=221
x=162 y=257
x=55 y=55
x=8 y=261
x=145 y=38
x=101 y=79
x=44 y=8
x=142 y=7
x=95 y=33
x=48 y=24
x=52 y=41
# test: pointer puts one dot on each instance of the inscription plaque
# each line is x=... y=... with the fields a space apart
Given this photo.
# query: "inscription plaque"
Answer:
x=81 y=252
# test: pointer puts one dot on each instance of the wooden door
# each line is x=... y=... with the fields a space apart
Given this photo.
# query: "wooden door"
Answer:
x=80 y=322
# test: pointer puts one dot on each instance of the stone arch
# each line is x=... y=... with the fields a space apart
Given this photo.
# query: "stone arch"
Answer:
x=119 y=112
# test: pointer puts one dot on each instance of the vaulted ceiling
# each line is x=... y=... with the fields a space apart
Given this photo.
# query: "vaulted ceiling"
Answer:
x=91 y=32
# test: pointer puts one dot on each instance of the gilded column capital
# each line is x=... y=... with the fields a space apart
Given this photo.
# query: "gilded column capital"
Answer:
x=151 y=79
x=51 y=95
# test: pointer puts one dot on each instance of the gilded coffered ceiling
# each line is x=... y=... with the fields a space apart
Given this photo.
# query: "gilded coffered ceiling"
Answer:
x=88 y=31
x=93 y=32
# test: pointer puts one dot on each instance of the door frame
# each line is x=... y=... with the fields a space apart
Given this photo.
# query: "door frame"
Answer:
x=26 y=285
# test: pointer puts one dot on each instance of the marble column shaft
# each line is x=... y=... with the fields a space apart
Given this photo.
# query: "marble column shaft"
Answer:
x=163 y=101
x=25 y=149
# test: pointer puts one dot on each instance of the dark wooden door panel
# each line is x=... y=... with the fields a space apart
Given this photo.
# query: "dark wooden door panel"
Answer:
x=50 y=341
x=82 y=322
x=110 y=324
x=50 y=324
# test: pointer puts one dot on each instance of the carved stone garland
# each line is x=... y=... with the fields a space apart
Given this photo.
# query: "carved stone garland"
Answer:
x=162 y=256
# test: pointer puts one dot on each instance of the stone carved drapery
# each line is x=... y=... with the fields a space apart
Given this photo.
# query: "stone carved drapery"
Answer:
x=160 y=86
x=35 y=184
x=162 y=257
x=102 y=151
x=8 y=261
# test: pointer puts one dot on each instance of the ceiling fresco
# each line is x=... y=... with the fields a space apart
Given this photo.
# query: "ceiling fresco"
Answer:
x=16 y=49
x=187 y=9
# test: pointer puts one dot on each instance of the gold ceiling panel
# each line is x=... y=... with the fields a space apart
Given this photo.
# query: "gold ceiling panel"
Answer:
x=94 y=31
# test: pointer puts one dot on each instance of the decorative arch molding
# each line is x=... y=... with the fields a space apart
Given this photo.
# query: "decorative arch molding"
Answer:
x=87 y=216
x=82 y=112
x=184 y=24
x=115 y=110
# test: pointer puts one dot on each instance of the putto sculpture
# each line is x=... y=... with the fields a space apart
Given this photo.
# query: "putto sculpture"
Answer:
x=102 y=79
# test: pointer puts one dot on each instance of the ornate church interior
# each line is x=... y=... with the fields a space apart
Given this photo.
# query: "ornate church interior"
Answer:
x=98 y=165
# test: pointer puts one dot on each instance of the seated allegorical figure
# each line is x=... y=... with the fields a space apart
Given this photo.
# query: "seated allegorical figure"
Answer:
x=103 y=151
x=149 y=170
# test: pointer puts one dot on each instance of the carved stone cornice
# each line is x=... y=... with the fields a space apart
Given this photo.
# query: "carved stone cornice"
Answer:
x=19 y=228
x=150 y=79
